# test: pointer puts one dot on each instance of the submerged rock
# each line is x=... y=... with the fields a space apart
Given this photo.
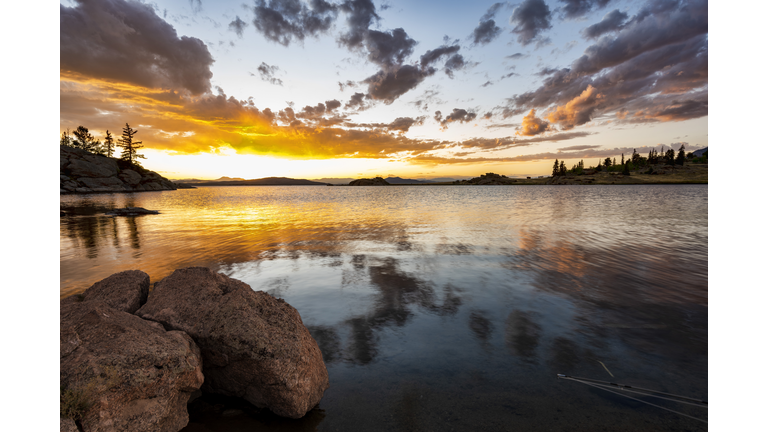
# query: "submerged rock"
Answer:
x=253 y=345
x=119 y=372
x=130 y=211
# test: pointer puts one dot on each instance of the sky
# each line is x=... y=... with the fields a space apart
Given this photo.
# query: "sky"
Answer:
x=362 y=88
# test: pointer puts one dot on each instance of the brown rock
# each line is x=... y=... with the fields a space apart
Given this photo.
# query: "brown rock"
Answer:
x=131 y=374
x=125 y=291
x=254 y=346
x=131 y=177
x=67 y=425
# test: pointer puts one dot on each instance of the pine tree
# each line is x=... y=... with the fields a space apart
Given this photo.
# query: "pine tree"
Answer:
x=83 y=139
x=109 y=145
x=66 y=139
x=635 y=157
x=556 y=169
x=129 y=146
x=622 y=158
x=607 y=162
x=563 y=170
x=681 y=155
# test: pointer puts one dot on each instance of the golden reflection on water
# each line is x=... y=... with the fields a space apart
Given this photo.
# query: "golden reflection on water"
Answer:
x=514 y=283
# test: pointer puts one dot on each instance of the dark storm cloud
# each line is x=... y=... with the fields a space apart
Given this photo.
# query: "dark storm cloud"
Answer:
x=579 y=8
x=127 y=42
x=389 y=85
x=237 y=25
x=360 y=15
x=388 y=49
x=612 y=21
x=653 y=69
x=267 y=74
x=434 y=55
x=530 y=18
x=487 y=30
x=458 y=115
x=456 y=62
x=642 y=36
x=357 y=101
x=282 y=21
x=400 y=124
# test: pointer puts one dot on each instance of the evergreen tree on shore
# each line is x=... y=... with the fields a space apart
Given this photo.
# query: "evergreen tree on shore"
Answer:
x=129 y=146
x=109 y=144
x=556 y=169
x=681 y=155
x=84 y=140
x=66 y=139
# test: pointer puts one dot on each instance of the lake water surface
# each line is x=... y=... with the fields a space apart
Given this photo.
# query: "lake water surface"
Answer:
x=443 y=307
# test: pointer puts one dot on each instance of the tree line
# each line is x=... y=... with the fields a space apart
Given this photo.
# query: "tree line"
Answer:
x=634 y=162
x=81 y=138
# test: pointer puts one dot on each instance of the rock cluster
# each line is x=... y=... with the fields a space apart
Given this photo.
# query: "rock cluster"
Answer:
x=130 y=359
x=377 y=181
x=84 y=172
x=490 y=179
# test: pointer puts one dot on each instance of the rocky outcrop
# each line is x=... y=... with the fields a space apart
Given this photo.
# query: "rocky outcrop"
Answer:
x=125 y=291
x=377 y=181
x=119 y=372
x=84 y=172
x=490 y=179
x=253 y=345
x=130 y=211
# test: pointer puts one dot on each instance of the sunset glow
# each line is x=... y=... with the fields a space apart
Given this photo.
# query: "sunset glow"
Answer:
x=216 y=89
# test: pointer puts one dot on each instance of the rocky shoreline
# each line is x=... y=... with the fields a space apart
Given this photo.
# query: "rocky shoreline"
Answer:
x=82 y=172
x=131 y=359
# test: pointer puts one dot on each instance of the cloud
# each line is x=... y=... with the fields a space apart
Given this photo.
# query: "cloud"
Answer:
x=347 y=84
x=578 y=8
x=434 y=55
x=357 y=101
x=511 y=74
x=267 y=74
x=400 y=124
x=578 y=147
x=283 y=21
x=388 y=49
x=237 y=25
x=387 y=86
x=360 y=15
x=458 y=115
x=456 y=62
x=578 y=110
x=127 y=42
x=533 y=125
x=645 y=73
x=612 y=21
x=530 y=18
x=487 y=30
x=515 y=56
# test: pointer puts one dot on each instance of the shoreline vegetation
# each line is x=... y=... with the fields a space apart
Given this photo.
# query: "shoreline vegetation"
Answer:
x=83 y=172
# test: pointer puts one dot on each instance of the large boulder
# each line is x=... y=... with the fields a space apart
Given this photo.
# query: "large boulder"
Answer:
x=254 y=346
x=125 y=291
x=119 y=372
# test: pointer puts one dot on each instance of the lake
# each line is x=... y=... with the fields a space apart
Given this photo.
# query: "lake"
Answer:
x=443 y=307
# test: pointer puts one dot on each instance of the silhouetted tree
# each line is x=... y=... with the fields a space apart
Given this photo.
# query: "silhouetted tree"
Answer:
x=129 y=146
x=625 y=171
x=84 y=140
x=556 y=169
x=563 y=169
x=66 y=139
x=109 y=145
x=622 y=158
x=681 y=155
x=607 y=162
x=635 y=157
x=669 y=157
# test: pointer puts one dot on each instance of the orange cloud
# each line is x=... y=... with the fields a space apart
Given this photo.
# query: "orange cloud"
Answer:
x=533 y=125
x=578 y=110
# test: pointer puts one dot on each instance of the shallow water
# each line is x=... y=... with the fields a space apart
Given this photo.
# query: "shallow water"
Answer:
x=443 y=308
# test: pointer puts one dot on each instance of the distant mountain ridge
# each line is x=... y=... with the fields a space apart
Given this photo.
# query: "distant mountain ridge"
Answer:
x=267 y=181
x=209 y=181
